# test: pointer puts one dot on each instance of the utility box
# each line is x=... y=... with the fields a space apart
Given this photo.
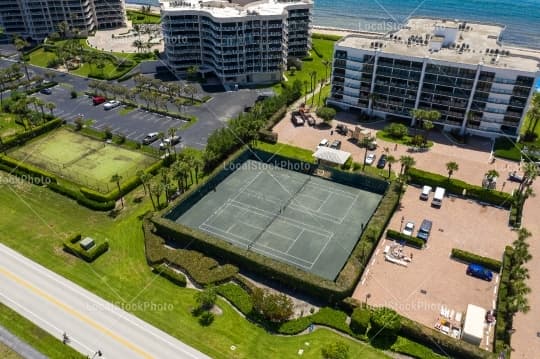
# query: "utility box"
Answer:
x=359 y=134
x=87 y=243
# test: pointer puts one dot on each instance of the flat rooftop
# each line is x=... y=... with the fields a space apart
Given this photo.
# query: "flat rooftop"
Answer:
x=235 y=8
x=471 y=43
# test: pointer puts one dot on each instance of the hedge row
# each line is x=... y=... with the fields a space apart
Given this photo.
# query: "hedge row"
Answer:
x=81 y=199
x=203 y=270
x=327 y=317
x=502 y=335
x=469 y=257
x=174 y=276
x=25 y=170
x=266 y=134
x=401 y=237
x=180 y=116
x=360 y=319
x=237 y=296
x=72 y=246
x=21 y=138
x=458 y=187
x=41 y=87
x=326 y=37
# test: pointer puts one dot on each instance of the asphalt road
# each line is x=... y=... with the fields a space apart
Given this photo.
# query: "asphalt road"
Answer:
x=58 y=305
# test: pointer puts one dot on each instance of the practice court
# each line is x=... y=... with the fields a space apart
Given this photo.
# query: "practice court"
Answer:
x=306 y=221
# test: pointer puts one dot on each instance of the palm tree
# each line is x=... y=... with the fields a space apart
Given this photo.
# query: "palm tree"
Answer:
x=326 y=66
x=451 y=167
x=305 y=91
x=138 y=44
x=179 y=103
x=492 y=174
x=63 y=29
x=530 y=172
x=172 y=132
x=116 y=179
x=192 y=71
x=406 y=163
x=40 y=103
x=157 y=190
x=428 y=126
x=391 y=160
x=365 y=143
x=51 y=106
x=190 y=91
x=320 y=92
x=20 y=45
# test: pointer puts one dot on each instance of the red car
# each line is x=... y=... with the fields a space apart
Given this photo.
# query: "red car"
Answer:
x=97 y=100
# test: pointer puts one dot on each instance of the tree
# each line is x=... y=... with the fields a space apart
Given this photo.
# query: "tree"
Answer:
x=190 y=91
x=157 y=190
x=396 y=130
x=20 y=45
x=274 y=307
x=390 y=160
x=385 y=322
x=428 y=126
x=336 y=350
x=406 y=163
x=320 y=92
x=116 y=179
x=206 y=298
x=326 y=113
x=192 y=72
x=305 y=91
x=491 y=175
x=51 y=106
x=172 y=132
x=451 y=167
x=364 y=142
x=138 y=44
x=63 y=29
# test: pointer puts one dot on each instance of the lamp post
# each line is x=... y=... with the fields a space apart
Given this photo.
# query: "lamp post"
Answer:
x=401 y=225
x=367 y=297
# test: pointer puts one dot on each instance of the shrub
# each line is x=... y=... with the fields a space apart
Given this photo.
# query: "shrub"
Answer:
x=326 y=113
x=409 y=240
x=360 y=319
x=237 y=296
x=326 y=37
x=396 y=130
x=385 y=322
x=206 y=319
x=73 y=94
x=332 y=318
x=294 y=326
x=81 y=199
x=174 y=276
x=469 y=257
x=348 y=164
x=72 y=246
x=206 y=298
x=274 y=307
x=336 y=350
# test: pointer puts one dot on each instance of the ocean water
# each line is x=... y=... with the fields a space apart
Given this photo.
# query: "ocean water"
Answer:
x=521 y=17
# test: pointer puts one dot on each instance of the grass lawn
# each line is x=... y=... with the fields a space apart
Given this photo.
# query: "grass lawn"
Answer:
x=122 y=275
x=33 y=335
x=406 y=140
x=126 y=109
x=507 y=148
x=326 y=49
x=287 y=151
x=138 y=17
x=8 y=127
x=40 y=57
x=82 y=159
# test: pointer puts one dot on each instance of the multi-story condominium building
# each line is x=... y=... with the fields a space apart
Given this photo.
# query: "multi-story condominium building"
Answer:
x=460 y=69
x=240 y=41
x=36 y=19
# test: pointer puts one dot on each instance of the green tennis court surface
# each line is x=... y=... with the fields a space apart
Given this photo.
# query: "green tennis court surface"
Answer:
x=302 y=220
x=81 y=159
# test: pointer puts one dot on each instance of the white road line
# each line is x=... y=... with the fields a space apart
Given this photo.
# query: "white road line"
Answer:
x=377 y=252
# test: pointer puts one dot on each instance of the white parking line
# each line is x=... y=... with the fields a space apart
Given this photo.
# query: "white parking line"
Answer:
x=131 y=134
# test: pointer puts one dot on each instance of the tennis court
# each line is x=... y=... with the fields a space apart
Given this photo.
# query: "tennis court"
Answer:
x=302 y=220
x=81 y=159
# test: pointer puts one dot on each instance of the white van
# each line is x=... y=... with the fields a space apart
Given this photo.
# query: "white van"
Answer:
x=426 y=191
x=438 y=197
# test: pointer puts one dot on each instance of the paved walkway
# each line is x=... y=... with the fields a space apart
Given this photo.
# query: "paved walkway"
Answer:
x=525 y=340
x=19 y=346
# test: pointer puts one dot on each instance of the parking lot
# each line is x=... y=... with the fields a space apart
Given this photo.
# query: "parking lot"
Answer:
x=432 y=280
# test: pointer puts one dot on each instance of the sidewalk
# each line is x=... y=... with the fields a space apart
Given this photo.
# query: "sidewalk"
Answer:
x=19 y=346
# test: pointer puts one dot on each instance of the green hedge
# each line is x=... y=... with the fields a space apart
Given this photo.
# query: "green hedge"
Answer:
x=203 y=270
x=469 y=257
x=409 y=240
x=72 y=246
x=457 y=187
x=174 y=276
x=180 y=116
x=332 y=318
x=326 y=37
x=502 y=339
x=41 y=87
x=360 y=319
x=237 y=296
x=25 y=170
x=21 y=138
x=81 y=199
x=294 y=326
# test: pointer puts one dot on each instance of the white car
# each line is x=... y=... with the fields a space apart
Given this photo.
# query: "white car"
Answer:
x=409 y=228
x=370 y=159
x=111 y=104
x=324 y=143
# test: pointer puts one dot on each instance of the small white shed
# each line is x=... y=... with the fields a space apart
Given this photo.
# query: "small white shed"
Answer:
x=473 y=329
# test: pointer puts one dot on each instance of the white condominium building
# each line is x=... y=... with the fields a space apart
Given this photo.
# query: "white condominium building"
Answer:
x=460 y=69
x=239 y=41
x=36 y=19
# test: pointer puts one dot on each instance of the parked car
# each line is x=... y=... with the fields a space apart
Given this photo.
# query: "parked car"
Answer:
x=424 y=230
x=342 y=129
x=151 y=137
x=514 y=177
x=478 y=271
x=372 y=146
x=426 y=190
x=336 y=144
x=409 y=228
x=370 y=159
x=169 y=141
x=324 y=143
x=46 y=91
x=382 y=161
x=98 y=100
x=109 y=105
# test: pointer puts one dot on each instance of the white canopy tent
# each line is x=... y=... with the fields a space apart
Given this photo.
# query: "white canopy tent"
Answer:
x=473 y=329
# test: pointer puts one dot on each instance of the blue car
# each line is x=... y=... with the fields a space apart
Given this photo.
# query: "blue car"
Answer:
x=478 y=271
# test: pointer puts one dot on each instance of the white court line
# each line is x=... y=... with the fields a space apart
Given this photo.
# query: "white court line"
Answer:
x=322 y=250
x=352 y=205
x=324 y=202
x=294 y=241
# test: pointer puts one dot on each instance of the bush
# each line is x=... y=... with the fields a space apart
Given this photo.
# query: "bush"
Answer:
x=336 y=350
x=206 y=319
x=326 y=37
x=326 y=113
x=174 y=276
x=396 y=130
x=385 y=322
x=409 y=240
x=72 y=246
x=73 y=94
x=348 y=164
x=206 y=298
x=81 y=199
x=360 y=319
x=237 y=296
x=274 y=307
x=469 y=257
x=295 y=326
x=332 y=318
